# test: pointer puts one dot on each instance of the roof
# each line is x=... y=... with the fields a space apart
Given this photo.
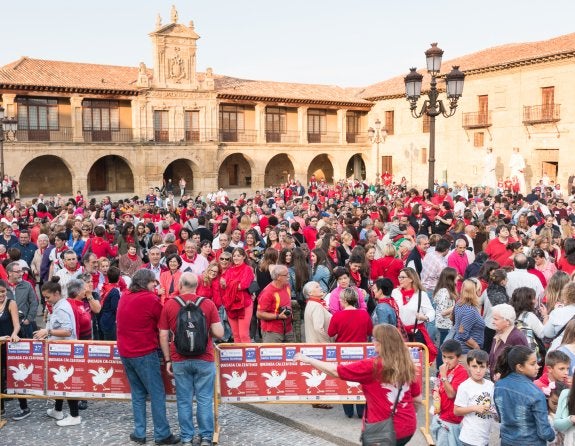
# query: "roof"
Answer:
x=490 y=59
x=233 y=88
x=51 y=74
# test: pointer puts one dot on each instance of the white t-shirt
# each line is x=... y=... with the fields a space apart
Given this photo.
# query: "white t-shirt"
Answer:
x=475 y=428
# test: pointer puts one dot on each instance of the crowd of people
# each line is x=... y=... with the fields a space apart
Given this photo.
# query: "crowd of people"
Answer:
x=483 y=278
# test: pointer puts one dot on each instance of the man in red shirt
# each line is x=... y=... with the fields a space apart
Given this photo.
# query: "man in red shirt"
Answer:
x=137 y=319
x=310 y=231
x=194 y=375
x=274 y=307
x=497 y=248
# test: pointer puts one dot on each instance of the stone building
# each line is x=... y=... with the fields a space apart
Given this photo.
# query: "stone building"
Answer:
x=120 y=130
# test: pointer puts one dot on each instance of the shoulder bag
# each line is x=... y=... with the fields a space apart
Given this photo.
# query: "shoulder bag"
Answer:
x=381 y=433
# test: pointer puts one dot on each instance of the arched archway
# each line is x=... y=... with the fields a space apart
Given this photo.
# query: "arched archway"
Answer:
x=46 y=175
x=278 y=169
x=110 y=174
x=356 y=168
x=180 y=168
x=322 y=168
x=235 y=171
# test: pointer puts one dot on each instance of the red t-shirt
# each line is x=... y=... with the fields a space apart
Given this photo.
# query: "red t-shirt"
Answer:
x=168 y=322
x=455 y=377
x=137 y=323
x=565 y=266
x=270 y=300
x=350 y=326
x=498 y=251
x=381 y=397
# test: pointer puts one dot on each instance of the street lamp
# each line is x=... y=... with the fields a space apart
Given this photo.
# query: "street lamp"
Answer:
x=377 y=136
x=8 y=127
x=433 y=106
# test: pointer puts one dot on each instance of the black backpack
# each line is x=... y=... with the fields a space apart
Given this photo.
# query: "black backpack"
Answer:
x=191 y=335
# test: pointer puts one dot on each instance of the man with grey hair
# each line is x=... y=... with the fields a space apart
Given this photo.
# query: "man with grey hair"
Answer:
x=316 y=315
x=520 y=277
x=372 y=238
x=194 y=375
x=71 y=270
x=23 y=294
x=415 y=258
x=274 y=307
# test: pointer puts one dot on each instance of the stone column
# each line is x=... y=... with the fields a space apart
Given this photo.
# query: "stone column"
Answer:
x=260 y=123
x=8 y=102
x=302 y=124
x=341 y=126
x=80 y=183
x=138 y=108
x=76 y=118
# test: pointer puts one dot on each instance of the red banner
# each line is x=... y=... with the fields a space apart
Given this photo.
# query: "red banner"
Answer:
x=25 y=367
x=260 y=372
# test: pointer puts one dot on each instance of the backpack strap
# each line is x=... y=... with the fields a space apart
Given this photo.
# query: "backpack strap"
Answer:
x=180 y=301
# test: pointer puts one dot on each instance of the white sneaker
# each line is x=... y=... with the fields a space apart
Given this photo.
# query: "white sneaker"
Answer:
x=70 y=421
x=57 y=414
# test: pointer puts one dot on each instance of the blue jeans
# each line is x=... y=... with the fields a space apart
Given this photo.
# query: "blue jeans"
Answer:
x=443 y=332
x=145 y=379
x=194 y=376
x=225 y=323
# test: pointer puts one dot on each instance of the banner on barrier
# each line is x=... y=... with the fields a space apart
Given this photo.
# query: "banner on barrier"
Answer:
x=260 y=373
x=25 y=368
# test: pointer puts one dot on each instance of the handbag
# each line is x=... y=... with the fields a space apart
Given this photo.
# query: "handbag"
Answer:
x=415 y=335
x=381 y=433
x=254 y=287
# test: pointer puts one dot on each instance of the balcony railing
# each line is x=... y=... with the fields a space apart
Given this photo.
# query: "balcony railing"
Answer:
x=183 y=136
x=541 y=114
x=476 y=120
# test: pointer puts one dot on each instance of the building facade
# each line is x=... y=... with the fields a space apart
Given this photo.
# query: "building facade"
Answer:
x=120 y=130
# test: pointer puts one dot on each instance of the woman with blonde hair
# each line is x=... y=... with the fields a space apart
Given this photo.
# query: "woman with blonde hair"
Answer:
x=469 y=325
x=387 y=380
x=553 y=291
x=568 y=344
x=558 y=318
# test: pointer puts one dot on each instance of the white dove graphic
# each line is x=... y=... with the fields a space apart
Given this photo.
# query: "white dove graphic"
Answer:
x=235 y=380
x=313 y=379
x=21 y=373
x=274 y=379
x=351 y=386
x=61 y=375
x=101 y=376
x=392 y=394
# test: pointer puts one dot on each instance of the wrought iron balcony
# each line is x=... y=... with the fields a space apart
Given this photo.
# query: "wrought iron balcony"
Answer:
x=477 y=120
x=541 y=114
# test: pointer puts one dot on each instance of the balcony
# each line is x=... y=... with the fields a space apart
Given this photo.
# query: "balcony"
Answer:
x=357 y=138
x=322 y=138
x=477 y=120
x=238 y=135
x=62 y=134
x=119 y=135
x=541 y=114
x=285 y=137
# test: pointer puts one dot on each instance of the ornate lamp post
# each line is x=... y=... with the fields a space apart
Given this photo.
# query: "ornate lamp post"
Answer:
x=377 y=136
x=8 y=127
x=433 y=106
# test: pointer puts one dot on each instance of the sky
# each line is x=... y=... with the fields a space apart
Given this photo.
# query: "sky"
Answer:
x=332 y=42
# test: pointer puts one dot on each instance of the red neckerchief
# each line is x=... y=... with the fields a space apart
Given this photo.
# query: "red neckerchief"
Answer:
x=421 y=252
x=129 y=239
x=333 y=255
x=356 y=277
x=133 y=257
x=59 y=250
x=319 y=300
x=187 y=259
x=72 y=270
x=407 y=295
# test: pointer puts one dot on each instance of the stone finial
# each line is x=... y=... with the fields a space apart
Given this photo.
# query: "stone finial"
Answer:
x=174 y=14
x=192 y=24
x=158 y=21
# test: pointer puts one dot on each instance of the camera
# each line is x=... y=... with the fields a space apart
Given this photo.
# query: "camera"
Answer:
x=285 y=310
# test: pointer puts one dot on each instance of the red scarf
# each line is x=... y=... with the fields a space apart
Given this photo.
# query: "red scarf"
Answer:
x=356 y=278
x=319 y=300
x=133 y=257
x=72 y=270
x=187 y=259
x=407 y=295
x=129 y=238
x=333 y=255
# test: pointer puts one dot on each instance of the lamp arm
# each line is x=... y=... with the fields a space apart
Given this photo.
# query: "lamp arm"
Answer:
x=452 y=107
x=421 y=112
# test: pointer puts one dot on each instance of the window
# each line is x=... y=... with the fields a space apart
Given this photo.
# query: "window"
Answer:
x=316 y=125
x=100 y=118
x=483 y=110
x=478 y=139
x=276 y=123
x=426 y=123
x=352 y=125
x=389 y=118
x=548 y=102
x=161 y=132
x=192 y=125
x=231 y=122
x=39 y=116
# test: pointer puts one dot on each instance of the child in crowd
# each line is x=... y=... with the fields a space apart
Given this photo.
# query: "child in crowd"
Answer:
x=445 y=425
x=474 y=401
x=556 y=370
x=552 y=405
x=521 y=406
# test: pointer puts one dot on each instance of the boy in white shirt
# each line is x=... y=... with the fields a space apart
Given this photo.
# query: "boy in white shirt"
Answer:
x=474 y=401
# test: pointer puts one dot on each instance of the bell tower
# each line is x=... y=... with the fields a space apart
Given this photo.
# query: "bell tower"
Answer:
x=174 y=54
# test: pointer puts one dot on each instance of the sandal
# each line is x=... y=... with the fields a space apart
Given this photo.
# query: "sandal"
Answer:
x=321 y=406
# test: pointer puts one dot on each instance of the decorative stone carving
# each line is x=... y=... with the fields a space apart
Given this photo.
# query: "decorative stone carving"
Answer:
x=177 y=69
x=174 y=14
x=158 y=21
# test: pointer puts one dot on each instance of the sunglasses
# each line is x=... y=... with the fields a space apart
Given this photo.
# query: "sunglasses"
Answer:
x=226 y=259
